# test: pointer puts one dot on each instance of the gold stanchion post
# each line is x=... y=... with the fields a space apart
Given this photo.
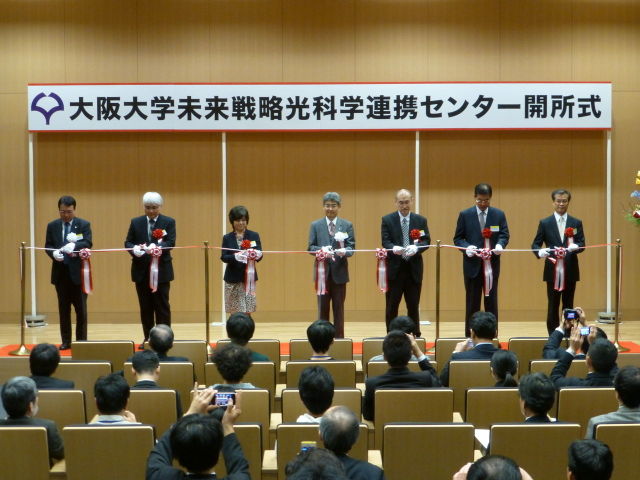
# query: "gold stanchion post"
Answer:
x=433 y=349
x=22 y=350
x=618 y=295
x=207 y=312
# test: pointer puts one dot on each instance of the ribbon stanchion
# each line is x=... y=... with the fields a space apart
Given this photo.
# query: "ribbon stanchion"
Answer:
x=22 y=350
x=207 y=310
x=619 y=347
x=438 y=246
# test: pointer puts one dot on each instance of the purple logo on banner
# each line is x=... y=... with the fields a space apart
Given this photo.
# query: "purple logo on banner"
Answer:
x=47 y=113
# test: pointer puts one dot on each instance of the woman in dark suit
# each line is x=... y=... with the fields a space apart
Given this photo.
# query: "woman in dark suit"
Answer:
x=236 y=298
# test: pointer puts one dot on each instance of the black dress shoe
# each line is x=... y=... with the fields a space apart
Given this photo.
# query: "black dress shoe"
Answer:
x=64 y=346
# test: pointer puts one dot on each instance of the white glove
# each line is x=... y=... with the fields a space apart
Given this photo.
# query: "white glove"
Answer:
x=471 y=251
x=137 y=251
x=327 y=249
x=397 y=249
x=149 y=247
x=498 y=250
x=543 y=253
x=241 y=256
x=411 y=250
x=259 y=254
x=68 y=248
x=57 y=254
x=573 y=247
x=341 y=252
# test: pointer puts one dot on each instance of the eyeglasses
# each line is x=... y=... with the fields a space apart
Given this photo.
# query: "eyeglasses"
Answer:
x=66 y=212
x=483 y=200
x=561 y=201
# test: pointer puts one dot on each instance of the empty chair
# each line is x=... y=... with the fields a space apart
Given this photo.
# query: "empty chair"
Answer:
x=526 y=349
x=250 y=437
x=24 y=452
x=13 y=367
x=625 y=359
x=255 y=409
x=579 y=404
x=341 y=349
x=378 y=368
x=292 y=406
x=372 y=347
x=268 y=347
x=173 y=375
x=421 y=450
x=343 y=372
x=465 y=374
x=578 y=368
x=486 y=406
x=65 y=407
x=84 y=375
x=114 y=351
x=622 y=439
x=154 y=407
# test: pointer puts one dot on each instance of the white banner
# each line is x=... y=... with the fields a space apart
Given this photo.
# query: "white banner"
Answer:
x=319 y=106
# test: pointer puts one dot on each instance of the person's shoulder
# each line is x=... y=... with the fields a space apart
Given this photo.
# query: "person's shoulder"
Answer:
x=389 y=216
x=418 y=216
x=166 y=218
x=54 y=222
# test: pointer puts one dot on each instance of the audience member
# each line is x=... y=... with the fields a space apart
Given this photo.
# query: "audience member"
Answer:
x=483 y=326
x=589 y=460
x=492 y=467
x=397 y=348
x=339 y=430
x=240 y=328
x=627 y=385
x=315 y=387
x=404 y=324
x=537 y=395
x=504 y=368
x=552 y=349
x=112 y=395
x=196 y=441
x=315 y=464
x=43 y=361
x=321 y=334
x=161 y=341
x=20 y=400
x=145 y=366
x=233 y=363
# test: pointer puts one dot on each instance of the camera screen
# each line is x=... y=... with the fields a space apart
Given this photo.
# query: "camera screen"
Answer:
x=584 y=330
x=222 y=399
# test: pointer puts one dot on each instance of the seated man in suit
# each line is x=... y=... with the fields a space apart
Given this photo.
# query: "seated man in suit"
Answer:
x=315 y=387
x=240 y=328
x=161 y=341
x=339 y=430
x=321 y=334
x=43 y=361
x=397 y=348
x=112 y=395
x=145 y=366
x=404 y=324
x=537 y=395
x=480 y=346
x=627 y=385
x=492 y=467
x=316 y=464
x=20 y=400
x=196 y=441
x=233 y=362
x=552 y=349
x=588 y=460
x=601 y=362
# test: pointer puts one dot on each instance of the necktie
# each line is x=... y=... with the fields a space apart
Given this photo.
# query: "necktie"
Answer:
x=483 y=219
x=405 y=235
x=332 y=229
x=561 y=228
x=152 y=225
x=67 y=228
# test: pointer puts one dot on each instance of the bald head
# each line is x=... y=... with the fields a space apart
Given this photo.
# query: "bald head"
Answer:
x=404 y=201
x=339 y=429
x=161 y=338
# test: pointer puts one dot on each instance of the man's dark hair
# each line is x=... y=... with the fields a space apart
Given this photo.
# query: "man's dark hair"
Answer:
x=240 y=328
x=146 y=361
x=196 y=441
x=494 y=467
x=482 y=189
x=627 y=384
x=67 y=200
x=44 y=359
x=600 y=333
x=560 y=191
x=238 y=213
x=315 y=464
x=339 y=430
x=402 y=323
x=17 y=394
x=504 y=364
x=603 y=355
x=112 y=393
x=321 y=334
x=396 y=348
x=232 y=361
x=538 y=392
x=590 y=460
x=484 y=324
x=161 y=339
x=315 y=387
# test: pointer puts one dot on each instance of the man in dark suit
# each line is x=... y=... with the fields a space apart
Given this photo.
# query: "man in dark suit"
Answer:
x=537 y=395
x=339 y=430
x=479 y=347
x=335 y=236
x=397 y=348
x=145 y=233
x=559 y=230
x=553 y=349
x=145 y=366
x=161 y=341
x=469 y=235
x=43 y=361
x=65 y=237
x=406 y=234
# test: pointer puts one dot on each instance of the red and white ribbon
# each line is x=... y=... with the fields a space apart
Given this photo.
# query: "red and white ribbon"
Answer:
x=85 y=271
x=381 y=270
x=321 y=278
x=154 y=267
x=250 y=272
x=485 y=255
x=560 y=273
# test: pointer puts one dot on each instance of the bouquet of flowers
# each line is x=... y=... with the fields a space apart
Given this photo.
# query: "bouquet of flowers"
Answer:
x=632 y=213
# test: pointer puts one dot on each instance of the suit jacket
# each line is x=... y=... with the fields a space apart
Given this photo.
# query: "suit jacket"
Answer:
x=54 y=440
x=54 y=240
x=138 y=234
x=391 y=232
x=538 y=419
x=593 y=379
x=234 y=271
x=397 y=377
x=552 y=349
x=549 y=236
x=622 y=415
x=483 y=351
x=468 y=233
x=160 y=466
x=359 y=469
x=151 y=385
x=319 y=237
x=44 y=383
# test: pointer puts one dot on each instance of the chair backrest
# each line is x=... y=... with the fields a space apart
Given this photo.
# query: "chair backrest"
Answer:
x=373 y=346
x=12 y=367
x=195 y=351
x=622 y=439
x=154 y=407
x=343 y=372
x=527 y=349
x=174 y=375
x=261 y=375
x=255 y=409
x=84 y=375
x=24 y=452
x=625 y=359
x=411 y=450
x=579 y=404
x=114 y=351
x=486 y=406
x=268 y=347
x=378 y=368
x=300 y=349
x=107 y=452
x=541 y=449
x=289 y=436
x=65 y=407
x=445 y=347
x=465 y=374
x=249 y=436
x=578 y=368
x=411 y=405
x=292 y=406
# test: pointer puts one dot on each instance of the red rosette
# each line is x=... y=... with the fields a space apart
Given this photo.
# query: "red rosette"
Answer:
x=252 y=254
x=86 y=279
x=486 y=233
x=245 y=245
x=381 y=253
x=321 y=255
x=155 y=251
x=158 y=233
x=84 y=254
x=560 y=252
x=636 y=214
x=484 y=253
x=415 y=234
x=568 y=232
x=381 y=270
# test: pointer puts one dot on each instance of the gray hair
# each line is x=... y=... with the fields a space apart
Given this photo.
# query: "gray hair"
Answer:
x=331 y=197
x=404 y=191
x=152 y=198
x=17 y=394
x=339 y=429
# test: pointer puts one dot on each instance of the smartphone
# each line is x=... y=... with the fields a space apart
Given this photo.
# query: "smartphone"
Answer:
x=222 y=398
x=585 y=330
x=571 y=314
x=307 y=445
